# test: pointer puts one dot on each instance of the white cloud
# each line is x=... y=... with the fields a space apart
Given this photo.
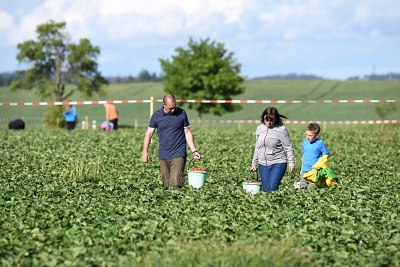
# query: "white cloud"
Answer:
x=124 y=19
x=374 y=33
x=5 y=20
x=292 y=33
x=272 y=28
x=362 y=13
x=195 y=8
x=108 y=58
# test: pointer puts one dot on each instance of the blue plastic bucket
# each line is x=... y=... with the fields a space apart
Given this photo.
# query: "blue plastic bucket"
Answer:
x=197 y=178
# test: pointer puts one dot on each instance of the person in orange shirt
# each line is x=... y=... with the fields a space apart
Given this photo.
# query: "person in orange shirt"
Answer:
x=111 y=115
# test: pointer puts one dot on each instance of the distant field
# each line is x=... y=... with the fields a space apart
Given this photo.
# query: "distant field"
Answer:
x=266 y=90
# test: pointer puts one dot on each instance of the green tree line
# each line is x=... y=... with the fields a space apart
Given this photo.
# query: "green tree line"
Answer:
x=143 y=76
x=6 y=78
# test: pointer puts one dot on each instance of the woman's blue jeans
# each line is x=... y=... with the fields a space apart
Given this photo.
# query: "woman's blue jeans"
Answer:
x=271 y=176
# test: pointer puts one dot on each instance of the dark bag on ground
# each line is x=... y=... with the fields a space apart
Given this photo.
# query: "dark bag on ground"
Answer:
x=16 y=125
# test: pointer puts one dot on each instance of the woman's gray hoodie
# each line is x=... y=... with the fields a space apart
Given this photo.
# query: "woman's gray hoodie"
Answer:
x=272 y=146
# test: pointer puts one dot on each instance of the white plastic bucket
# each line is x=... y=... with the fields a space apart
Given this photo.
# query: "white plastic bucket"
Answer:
x=252 y=188
x=197 y=178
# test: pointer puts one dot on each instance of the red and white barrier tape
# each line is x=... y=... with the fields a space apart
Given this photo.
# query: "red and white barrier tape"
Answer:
x=195 y=101
x=303 y=122
x=76 y=103
x=284 y=101
x=362 y=122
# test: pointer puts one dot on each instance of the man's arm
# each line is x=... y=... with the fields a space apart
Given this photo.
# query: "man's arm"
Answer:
x=146 y=143
x=190 y=142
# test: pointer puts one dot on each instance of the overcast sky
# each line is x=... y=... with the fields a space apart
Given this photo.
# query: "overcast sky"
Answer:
x=334 y=39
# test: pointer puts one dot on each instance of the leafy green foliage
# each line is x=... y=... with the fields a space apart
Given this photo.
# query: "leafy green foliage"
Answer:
x=54 y=62
x=384 y=109
x=53 y=117
x=85 y=198
x=82 y=170
x=210 y=254
x=204 y=71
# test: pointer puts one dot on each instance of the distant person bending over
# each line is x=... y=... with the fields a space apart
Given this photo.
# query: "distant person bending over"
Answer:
x=273 y=150
x=173 y=130
x=111 y=115
x=313 y=149
x=70 y=116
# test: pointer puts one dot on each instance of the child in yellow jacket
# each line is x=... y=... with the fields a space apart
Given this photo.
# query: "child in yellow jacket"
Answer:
x=313 y=149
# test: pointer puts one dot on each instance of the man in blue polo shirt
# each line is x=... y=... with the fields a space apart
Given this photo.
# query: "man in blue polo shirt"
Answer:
x=173 y=130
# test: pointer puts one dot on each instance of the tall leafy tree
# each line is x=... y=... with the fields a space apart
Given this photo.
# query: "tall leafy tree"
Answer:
x=205 y=70
x=54 y=62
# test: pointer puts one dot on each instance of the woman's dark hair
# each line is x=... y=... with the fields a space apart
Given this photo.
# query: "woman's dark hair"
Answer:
x=271 y=114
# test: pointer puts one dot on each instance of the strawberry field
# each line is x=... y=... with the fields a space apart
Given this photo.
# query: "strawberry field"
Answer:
x=84 y=198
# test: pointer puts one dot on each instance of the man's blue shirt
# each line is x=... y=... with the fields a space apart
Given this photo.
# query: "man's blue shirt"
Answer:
x=311 y=153
x=170 y=130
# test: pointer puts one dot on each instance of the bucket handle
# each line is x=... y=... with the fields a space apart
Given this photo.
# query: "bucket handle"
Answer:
x=248 y=177
x=201 y=159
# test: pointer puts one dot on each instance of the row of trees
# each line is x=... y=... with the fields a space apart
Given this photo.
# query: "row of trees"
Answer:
x=204 y=70
x=6 y=78
x=290 y=76
x=378 y=77
x=143 y=76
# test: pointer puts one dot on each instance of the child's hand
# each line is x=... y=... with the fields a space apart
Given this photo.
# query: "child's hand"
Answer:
x=291 y=169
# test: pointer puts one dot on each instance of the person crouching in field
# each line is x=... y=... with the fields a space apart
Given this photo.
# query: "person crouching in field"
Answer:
x=313 y=149
x=273 y=150
x=17 y=124
x=70 y=116
x=111 y=115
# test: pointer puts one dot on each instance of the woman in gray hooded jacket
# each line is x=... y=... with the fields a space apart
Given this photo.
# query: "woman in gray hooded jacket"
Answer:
x=273 y=150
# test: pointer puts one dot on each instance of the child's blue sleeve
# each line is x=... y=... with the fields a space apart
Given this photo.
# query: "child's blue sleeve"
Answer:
x=324 y=149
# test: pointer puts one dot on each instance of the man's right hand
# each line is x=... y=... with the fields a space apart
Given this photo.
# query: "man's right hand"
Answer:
x=145 y=157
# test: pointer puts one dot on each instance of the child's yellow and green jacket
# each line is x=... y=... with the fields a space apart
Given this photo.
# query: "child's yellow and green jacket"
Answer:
x=321 y=175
